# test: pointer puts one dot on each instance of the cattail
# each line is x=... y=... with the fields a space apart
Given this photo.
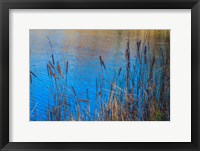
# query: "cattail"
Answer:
x=59 y=69
x=100 y=92
x=115 y=109
x=74 y=91
x=127 y=53
x=51 y=72
x=66 y=66
x=138 y=45
x=54 y=75
x=53 y=59
x=132 y=89
x=33 y=74
x=145 y=51
x=153 y=61
x=48 y=69
x=51 y=65
x=102 y=62
x=128 y=44
x=138 y=49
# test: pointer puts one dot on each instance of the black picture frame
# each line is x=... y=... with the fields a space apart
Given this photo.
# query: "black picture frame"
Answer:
x=5 y=5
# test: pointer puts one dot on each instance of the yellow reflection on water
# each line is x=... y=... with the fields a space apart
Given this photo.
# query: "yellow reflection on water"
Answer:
x=103 y=40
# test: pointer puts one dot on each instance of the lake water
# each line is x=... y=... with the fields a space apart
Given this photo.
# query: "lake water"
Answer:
x=82 y=49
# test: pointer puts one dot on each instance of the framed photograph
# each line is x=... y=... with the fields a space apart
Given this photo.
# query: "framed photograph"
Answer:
x=100 y=75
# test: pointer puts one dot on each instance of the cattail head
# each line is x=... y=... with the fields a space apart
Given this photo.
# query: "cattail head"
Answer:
x=138 y=45
x=127 y=53
x=52 y=59
x=153 y=61
x=50 y=72
x=128 y=44
x=54 y=75
x=145 y=50
x=59 y=69
x=102 y=62
x=67 y=67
